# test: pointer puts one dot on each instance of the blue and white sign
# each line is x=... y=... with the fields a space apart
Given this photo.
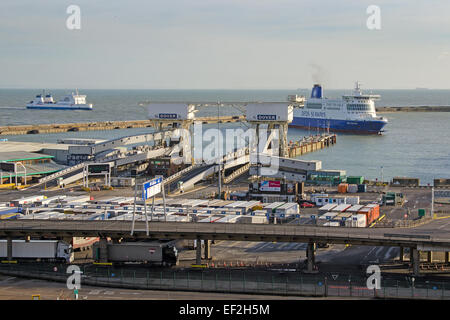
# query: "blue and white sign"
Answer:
x=151 y=188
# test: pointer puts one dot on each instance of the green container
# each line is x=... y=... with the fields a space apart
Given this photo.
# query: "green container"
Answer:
x=355 y=179
x=421 y=212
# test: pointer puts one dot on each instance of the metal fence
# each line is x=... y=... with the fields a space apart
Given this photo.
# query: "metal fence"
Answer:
x=237 y=281
x=402 y=223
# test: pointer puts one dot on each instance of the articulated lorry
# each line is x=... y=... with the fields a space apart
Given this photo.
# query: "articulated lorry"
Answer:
x=41 y=250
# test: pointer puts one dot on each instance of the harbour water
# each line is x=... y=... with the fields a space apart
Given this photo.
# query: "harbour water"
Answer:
x=415 y=144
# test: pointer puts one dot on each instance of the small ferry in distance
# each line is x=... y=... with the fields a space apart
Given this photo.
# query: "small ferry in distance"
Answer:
x=69 y=102
x=353 y=113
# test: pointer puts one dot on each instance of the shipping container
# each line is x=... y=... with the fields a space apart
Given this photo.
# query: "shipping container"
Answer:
x=370 y=214
x=355 y=179
x=328 y=207
x=362 y=188
x=158 y=253
x=422 y=212
x=321 y=220
x=253 y=219
x=259 y=213
x=55 y=199
x=343 y=216
x=328 y=216
x=355 y=208
x=246 y=206
x=376 y=210
x=353 y=200
x=314 y=196
x=212 y=203
x=227 y=219
x=342 y=187
x=331 y=224
x=287 y=210
x=272 y=206
x=336 y=200
x=27 y=200
x=359 y=221
x=79 y=199
x=341 y=207
x=223 y=203
x=404 y=181
x=210 y=219
x=198 y=202
x=352 y=188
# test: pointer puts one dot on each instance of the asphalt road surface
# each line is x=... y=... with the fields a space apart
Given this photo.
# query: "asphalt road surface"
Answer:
x=13 y=288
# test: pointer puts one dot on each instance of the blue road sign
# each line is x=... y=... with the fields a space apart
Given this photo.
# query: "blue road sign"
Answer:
x=149 y=189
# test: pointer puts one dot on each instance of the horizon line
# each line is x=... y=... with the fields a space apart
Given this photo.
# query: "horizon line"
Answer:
x=227 y=89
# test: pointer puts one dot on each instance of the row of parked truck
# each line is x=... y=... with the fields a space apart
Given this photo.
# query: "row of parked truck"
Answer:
x=347 y=215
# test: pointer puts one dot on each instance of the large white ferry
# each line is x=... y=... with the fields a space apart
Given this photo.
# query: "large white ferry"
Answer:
x=68 y=102
x=353 y=113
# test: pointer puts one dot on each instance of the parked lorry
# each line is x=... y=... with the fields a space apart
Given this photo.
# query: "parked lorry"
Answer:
x=43 y=250
x=156 y=253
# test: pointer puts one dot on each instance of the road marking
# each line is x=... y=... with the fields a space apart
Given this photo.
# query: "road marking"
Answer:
x=444 y=225
x=108 y=292
x=365 y=257
x=379 y=252
x=129 y=293
x=8 y=279
x=388 y=253
x=94 y=292
x=248 y=245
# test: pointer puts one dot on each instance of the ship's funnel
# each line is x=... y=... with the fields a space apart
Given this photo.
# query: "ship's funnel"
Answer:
x=316 y=91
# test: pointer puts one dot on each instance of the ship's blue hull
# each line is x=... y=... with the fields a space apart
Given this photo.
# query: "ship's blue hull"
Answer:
x=351 y=126
x=57 y=108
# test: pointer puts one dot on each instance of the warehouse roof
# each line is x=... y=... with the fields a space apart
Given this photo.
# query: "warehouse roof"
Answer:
x=22 y=155
x=36 y=169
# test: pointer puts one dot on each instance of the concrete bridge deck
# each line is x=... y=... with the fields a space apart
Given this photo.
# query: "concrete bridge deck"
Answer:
x=429 y=235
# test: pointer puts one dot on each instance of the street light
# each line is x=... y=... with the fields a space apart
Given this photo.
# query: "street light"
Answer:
x=218 y=146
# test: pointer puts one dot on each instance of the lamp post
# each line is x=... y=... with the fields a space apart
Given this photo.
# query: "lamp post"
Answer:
x=218 y=148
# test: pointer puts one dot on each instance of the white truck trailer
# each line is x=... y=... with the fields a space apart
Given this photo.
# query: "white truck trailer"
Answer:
x=44 y=250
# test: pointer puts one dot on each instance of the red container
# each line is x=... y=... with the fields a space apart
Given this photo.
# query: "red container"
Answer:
x=376 y=210
x=342 y=188
x=369 y=212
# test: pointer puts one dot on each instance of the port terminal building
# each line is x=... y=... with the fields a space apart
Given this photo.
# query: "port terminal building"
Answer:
x=22 y=165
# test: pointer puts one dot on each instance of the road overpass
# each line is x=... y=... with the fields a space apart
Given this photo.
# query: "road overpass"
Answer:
x=432 y=237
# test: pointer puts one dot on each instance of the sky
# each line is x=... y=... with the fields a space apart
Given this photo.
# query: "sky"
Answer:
x=224 y=44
